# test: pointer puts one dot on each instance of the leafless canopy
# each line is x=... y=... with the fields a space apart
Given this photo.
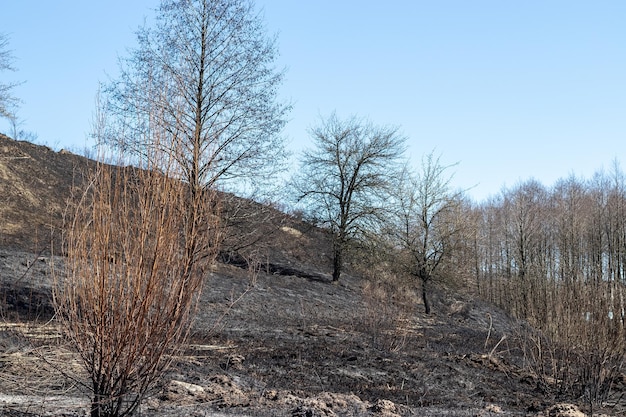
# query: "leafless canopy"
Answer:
x=7 y=101
x=426 y=219
x=344 y=178
x=206 y=68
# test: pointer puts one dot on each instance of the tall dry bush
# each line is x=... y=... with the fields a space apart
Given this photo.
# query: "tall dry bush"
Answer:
x=138 y=246
x=577 y=347
x=389 y=302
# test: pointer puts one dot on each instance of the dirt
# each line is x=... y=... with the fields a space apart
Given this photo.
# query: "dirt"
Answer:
x=290 y=346
x=35 y=182
x=277 y=339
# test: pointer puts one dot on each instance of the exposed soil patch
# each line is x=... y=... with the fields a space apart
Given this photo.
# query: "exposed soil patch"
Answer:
x=35 y=182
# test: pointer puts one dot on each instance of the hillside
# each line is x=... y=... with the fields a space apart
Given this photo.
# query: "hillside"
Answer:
x=35 y=181
x=277 y=339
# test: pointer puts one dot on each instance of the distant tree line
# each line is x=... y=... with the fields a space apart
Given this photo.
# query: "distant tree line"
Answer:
x=556 y=258
x=572 y=234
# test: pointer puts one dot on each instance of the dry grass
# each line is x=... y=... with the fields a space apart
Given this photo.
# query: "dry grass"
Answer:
x=575 y=348
x=389 y=305
x=38 y=369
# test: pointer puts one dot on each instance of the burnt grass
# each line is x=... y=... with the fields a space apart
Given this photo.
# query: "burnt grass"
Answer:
x=273 y=337
x=289 y=335
x=269 y=344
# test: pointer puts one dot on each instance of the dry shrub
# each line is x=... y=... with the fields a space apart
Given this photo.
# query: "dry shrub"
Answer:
x=388 y=307
x=138 y=247
x=577 y=348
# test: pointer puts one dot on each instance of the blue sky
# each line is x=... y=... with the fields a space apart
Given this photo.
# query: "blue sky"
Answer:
x=508 y=89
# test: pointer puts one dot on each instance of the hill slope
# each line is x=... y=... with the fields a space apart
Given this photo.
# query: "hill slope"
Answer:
x=35 y=182
x=275 y=340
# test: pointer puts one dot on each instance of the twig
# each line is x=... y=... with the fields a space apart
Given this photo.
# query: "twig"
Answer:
x=489 y=331
x=496 y=346
x=230 y=306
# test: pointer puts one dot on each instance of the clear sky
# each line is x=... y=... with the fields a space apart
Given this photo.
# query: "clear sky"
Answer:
x=508 y=89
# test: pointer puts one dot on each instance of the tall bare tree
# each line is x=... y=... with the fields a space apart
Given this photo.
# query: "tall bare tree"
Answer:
x=206 y=69
x=344 y=177
x=427 y=220
x=8 y=102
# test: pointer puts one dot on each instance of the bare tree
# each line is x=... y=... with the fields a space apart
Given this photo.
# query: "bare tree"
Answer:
x=17 y=131
x=206 y=69
x=8 y=102
x=555 y=257
x=426 y=220
x=343 y=179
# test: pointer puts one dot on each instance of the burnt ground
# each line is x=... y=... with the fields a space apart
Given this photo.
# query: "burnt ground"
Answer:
x=281 y=341
x=283 y=345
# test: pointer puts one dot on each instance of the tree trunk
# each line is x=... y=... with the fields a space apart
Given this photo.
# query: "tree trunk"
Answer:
x=425 y=296
x=337 y=262
x=95 y=406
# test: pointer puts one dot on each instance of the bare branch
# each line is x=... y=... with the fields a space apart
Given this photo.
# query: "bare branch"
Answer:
x=206 y=70
x=344 y=178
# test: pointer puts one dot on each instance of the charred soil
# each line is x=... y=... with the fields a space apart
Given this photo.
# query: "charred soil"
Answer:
x=274 y=336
